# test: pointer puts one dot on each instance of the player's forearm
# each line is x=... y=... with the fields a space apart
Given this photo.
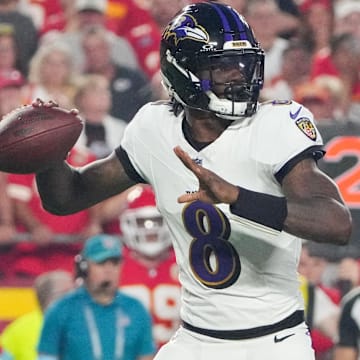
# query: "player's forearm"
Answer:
x=320 y=219
x=65 y=190
x=315 y=208
x=57 y=188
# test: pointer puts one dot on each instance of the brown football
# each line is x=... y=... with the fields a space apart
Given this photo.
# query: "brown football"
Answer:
x=33 y=137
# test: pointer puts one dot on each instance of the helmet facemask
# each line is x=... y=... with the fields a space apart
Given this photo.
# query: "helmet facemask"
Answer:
x=232 y=81
x=231 y=99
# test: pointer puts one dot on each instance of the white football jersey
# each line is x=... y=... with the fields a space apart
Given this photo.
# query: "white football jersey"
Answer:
x=235 y=274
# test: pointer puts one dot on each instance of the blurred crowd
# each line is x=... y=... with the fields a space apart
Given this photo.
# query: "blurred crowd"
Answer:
x=101 y=57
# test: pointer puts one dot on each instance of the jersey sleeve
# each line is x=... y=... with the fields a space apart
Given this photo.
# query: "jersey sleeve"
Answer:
x=131 y=172
x=134 y=149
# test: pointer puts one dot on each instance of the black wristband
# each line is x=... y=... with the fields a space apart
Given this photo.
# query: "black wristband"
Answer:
x=264 y=209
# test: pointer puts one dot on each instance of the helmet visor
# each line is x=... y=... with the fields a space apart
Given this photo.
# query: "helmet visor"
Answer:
x=231 y=76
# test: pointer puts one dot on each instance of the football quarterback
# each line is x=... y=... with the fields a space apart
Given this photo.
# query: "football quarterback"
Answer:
x=237 y=183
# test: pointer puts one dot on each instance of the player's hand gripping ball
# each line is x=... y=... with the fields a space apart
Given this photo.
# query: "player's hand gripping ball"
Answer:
x=32 y=137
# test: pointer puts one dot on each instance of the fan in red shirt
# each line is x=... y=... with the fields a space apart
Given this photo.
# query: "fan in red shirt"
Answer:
x=50 y=241
x=126 y=18
x=341 y=60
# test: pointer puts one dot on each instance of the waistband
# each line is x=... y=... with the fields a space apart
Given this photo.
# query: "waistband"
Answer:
x=292 y=320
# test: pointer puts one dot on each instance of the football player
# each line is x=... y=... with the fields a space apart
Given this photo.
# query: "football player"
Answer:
x=237 y=182
x=149 y=270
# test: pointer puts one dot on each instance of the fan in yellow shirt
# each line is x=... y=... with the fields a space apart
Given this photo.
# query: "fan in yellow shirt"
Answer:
x=19 y=339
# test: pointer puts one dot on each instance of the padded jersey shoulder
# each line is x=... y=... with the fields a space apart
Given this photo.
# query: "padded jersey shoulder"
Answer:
x=288 y=111
x=281 y=130
x=152 y=124
x=152 y=114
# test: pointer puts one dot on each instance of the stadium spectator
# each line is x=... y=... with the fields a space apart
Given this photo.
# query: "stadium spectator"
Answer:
x=264 y=17
x=133 y=21
x=323 y=96
x=8 y=48
x=26 y=34
x=162 y=11
x=130 y=89
x=317 y=23
x=149 y=270
x=49 y=241
x=41 y=10
x=20 y=338
x=13 y=90
x=294 y=72
x=347 y=347
x=52 y=75
x=348 y=275
x=102 y=132
x=289 y=6
x=82 y=14
x=97 y=321
x=347 y=17
x=11 y=96
x=342 y=60
x=347 y=13
x=11 y=86
x=58 y=16
x=317 y=269
x=321 y=303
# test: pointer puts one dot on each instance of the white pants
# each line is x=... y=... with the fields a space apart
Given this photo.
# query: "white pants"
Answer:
x=293 y=343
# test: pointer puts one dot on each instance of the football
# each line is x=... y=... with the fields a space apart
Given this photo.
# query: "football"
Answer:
x=34 y=136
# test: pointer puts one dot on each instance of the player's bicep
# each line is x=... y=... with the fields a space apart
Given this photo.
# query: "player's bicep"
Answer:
x=306 y=180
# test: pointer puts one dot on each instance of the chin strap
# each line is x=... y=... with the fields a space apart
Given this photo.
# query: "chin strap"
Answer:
x=227 y=109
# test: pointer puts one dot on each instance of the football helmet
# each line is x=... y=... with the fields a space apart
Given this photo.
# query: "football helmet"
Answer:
x=203 y=40
x=142 y=225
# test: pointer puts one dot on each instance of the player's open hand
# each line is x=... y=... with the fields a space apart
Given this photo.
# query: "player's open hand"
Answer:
x=39 y=103
x=50 y=104
x=212 y=188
